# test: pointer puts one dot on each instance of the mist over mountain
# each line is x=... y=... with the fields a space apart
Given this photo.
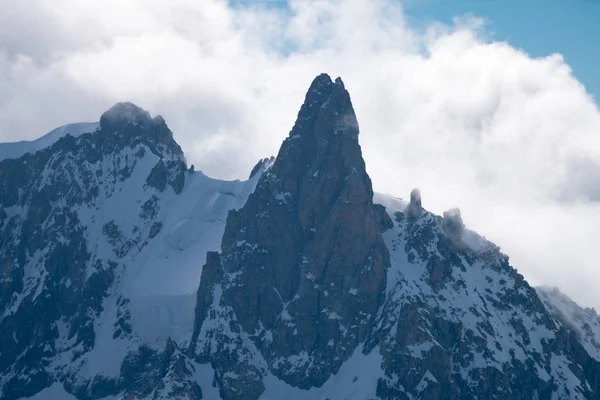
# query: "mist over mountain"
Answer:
x=125 y=273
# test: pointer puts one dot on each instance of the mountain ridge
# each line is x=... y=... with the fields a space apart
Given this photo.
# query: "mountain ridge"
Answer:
x=17 y=149
x=309 y=277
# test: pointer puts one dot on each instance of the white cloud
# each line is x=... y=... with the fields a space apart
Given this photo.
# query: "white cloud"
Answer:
x=474 y=123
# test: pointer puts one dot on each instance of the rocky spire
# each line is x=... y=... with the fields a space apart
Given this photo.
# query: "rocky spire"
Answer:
x=453 y=223
x=303 y=263
x=415 y=209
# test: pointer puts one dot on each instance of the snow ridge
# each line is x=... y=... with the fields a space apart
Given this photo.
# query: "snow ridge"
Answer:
x=17 y=149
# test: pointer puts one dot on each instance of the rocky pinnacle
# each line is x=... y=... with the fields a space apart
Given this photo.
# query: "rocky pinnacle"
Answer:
x=303 y=263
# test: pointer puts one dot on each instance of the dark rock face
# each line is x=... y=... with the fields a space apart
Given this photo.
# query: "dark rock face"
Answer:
x=303 y=263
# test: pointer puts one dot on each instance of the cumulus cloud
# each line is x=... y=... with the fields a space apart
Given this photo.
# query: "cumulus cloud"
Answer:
x=510 y=139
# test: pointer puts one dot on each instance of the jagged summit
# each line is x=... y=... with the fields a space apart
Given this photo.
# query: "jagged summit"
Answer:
x=125 y=112
x=303 y=262
x=327 y=104
x=126 y=124
x=324 y=79
x=131 y=120
x=312 y=276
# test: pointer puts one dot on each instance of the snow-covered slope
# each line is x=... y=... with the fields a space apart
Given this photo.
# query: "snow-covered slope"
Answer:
x=584 y=321
x=461 y=317
x=161 y=281
x=17 y=149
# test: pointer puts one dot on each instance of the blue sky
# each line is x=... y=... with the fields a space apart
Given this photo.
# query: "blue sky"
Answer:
x=540 y=27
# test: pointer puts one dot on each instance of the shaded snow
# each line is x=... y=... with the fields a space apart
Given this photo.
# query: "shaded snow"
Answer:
x=161 y=281
x=108 y=353
x=585 y=321
x=54 y=392
x=356 y=380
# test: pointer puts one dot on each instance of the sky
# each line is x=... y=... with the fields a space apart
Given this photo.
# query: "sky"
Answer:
x=540 y=27
x=482 y=109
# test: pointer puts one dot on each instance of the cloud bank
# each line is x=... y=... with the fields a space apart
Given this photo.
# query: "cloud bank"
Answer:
x=477 y=124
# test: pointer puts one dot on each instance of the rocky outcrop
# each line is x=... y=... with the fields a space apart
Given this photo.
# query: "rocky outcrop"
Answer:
x=414 y=209
x=303 y=263
x=261 y=164
x=453 y=223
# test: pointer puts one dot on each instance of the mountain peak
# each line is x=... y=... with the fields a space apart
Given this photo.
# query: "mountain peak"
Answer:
x=324 y=79
x=327 y=104
x=322 y=148
x=126 y=124
x=124 y=113
x=306 y=243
